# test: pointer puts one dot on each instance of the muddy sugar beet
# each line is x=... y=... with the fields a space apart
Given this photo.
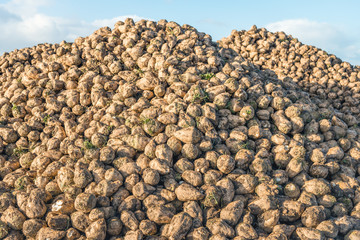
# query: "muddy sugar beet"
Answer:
x=151 y=130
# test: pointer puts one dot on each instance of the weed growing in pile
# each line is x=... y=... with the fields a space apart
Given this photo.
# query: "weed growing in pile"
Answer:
x=211 y=197
x=262 y=179
x=244 y=145
x=110 y=128
x=88 y=145
x=147 y=120
x=67 y=45
x=20 y=183
x=46 y=119
x=170 y=31
x=201 y=95
x=139 y=71
x=178 y=176
x=345 y=161
x=15 y=108
x=19 y=151
x=207 y=76
x=228 y=105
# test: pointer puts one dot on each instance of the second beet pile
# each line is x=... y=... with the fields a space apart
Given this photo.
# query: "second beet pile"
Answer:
x=151 y=130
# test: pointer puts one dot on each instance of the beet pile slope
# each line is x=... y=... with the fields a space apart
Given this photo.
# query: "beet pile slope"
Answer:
x=151 y=130
x=323 y=76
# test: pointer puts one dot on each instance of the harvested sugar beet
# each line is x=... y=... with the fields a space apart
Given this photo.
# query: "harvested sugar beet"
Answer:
x=151 y=130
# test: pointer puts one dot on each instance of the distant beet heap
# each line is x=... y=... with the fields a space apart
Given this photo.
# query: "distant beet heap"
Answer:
x=153 y=131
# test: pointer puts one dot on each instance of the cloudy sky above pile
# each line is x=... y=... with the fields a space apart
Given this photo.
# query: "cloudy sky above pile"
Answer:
x=331 y=25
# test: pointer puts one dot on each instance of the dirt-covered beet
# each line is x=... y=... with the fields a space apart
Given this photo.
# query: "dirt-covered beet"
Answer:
x=151 y=130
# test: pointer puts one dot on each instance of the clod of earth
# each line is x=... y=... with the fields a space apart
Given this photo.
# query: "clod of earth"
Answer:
x=151 y=130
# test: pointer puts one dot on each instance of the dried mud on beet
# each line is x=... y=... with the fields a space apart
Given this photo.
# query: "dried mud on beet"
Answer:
x=151 y=130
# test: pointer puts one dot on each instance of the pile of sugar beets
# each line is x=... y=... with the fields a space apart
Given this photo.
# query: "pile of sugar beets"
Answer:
x=151 y=130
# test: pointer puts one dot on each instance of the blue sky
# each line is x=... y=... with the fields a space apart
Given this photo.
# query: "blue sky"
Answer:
x=331 y=25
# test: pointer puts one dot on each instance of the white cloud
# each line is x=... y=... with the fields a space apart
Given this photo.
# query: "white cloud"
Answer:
x=25 y=7
x=308 y=30
x=6 y=16
x=22 y=25
x=334 y=39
